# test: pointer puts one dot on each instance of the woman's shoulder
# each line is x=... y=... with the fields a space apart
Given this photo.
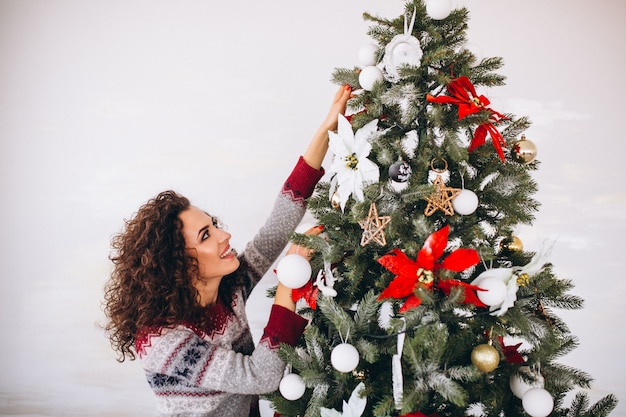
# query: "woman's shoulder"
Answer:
x=149 y=336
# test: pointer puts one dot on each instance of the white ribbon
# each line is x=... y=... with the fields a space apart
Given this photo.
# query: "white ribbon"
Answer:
x=396 y=370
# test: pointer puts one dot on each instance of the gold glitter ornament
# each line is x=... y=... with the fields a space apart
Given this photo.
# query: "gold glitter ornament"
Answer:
x=335 y=201
x=485 y=357
x=512 y=243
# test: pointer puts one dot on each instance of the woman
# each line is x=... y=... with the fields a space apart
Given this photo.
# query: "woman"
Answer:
x=177 y=293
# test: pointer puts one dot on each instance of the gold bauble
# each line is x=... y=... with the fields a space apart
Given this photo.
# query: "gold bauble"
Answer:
x=485 y=357
x=524 y=151
x=512 y=243
x=335 y=201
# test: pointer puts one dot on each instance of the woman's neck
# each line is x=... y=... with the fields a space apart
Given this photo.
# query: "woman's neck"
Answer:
x=208 y=291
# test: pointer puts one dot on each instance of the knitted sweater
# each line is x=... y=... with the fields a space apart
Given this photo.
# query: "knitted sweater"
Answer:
x=216 y=370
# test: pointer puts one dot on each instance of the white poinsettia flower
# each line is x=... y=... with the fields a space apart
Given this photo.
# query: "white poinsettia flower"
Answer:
x=510 y=277
x=352 y=170
x=507 y=276
x=353 y=408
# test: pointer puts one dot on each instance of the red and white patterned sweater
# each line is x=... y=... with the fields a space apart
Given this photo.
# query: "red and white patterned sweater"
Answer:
x=217 y=371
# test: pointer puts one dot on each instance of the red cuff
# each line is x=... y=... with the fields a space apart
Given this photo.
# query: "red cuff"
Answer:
x=283 y=326
x=302 y=181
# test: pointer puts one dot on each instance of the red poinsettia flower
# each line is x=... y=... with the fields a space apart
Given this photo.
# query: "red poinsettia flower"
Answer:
x=469 y=291
x=411 y=275
x=510 y=352
x=463 y=94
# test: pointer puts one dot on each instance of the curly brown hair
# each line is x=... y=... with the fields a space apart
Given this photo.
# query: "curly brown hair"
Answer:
x=152 y=279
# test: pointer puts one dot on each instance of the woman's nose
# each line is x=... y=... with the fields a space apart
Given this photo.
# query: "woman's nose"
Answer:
x=224 y=235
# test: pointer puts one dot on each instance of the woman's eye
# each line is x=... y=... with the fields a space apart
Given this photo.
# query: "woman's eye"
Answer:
x=216 y=223
x=205 y=235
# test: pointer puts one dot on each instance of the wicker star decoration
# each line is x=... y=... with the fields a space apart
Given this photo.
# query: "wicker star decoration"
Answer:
x=373 y=227
x=441 y=198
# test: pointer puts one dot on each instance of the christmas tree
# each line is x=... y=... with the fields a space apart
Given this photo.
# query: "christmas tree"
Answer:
x=422 y=300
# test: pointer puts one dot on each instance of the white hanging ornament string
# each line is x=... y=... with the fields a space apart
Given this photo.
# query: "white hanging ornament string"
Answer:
x=466 y=202
x=396 y=369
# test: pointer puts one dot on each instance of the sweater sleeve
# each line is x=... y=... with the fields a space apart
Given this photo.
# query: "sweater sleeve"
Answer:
x=183 y=355
x=287 y=212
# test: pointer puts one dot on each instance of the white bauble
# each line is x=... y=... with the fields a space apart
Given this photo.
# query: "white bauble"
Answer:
x=344 y=357
x=405 y=53
x=465 y=203
x=439 y=9
x=293 y=271
x=538 y=402
x=476 y=51
x=369 y=76
x=519 y=386
x=292 y=387
x=495 y=291
x=368 y=55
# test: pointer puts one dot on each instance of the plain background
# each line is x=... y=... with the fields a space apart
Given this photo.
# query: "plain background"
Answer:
x=105 y=103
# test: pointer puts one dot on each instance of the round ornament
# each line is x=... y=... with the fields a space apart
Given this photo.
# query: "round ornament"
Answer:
x=477 y=52
x=519 y=386
x=524 y=151
x=293 y=271
x=495 y=291
x=368 y=55
x=292 y=387
x=403 y=49
x=538 y=402
x=512 y=243
x=465 y=203
x=485 y=357
x=344 y=357
x=400 y=171
x=369 y=76
x=335 y=201
x=438 y=9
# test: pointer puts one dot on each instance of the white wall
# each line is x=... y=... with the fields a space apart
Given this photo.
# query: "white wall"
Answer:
x=105 y=103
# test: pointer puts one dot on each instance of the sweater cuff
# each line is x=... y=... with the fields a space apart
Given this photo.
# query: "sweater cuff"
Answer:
x=284 y=326
x=302 y=181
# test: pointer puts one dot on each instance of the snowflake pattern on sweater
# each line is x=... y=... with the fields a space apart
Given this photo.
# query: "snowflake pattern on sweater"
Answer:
x=217 y=371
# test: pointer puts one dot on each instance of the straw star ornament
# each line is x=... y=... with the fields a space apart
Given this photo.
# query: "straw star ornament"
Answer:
x=373 y=227
x=441 y=198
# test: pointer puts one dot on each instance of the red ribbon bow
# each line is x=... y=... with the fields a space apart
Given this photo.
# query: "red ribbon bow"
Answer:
x=463 y=94
x=309 y=292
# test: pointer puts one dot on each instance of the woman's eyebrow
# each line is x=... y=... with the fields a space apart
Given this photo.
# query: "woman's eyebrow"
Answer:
x=202 y=230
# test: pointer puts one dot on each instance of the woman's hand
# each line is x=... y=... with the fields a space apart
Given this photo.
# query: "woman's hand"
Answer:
x=283 y=293
x=337 y=107
x=302 y=250
x=315 y=153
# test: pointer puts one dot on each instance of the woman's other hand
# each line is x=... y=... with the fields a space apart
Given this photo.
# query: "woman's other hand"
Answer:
x=283 y=293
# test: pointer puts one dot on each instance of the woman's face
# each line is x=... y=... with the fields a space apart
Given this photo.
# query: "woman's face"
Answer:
x=209 y=244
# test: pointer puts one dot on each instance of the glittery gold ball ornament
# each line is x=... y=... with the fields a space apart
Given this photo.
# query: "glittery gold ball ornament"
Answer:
x=524 y=151
x=485 y=357
x=512 y=243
